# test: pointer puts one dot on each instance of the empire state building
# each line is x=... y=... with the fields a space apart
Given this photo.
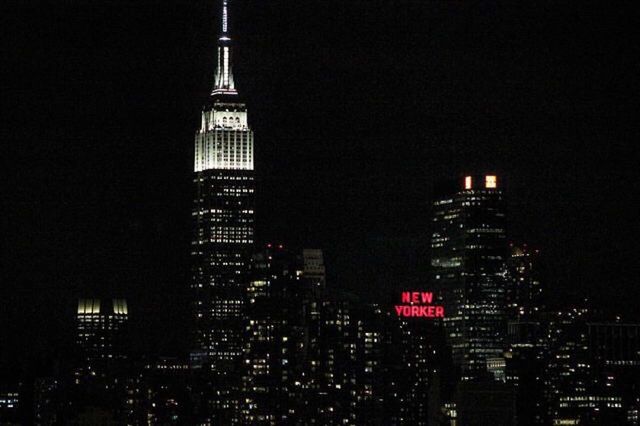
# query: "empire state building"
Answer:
x=223 y=218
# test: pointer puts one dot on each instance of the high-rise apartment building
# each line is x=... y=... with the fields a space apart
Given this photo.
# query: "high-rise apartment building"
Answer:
x=468 y=254
x=223 y=230
x=272 y=328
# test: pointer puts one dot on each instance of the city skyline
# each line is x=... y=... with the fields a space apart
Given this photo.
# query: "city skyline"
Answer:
x=349 y=167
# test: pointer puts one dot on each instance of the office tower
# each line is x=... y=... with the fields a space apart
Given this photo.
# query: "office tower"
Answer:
x=223 y=230
x=524 y=291
x=100 y=336
x=468 y=255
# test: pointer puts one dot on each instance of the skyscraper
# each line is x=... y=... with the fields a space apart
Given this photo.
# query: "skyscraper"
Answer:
x=223 y=224
x=468 y=255
x=100 y=324
x=101 y=366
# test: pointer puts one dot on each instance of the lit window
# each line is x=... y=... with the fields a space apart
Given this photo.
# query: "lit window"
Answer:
x=467 y=182
x=491 y=181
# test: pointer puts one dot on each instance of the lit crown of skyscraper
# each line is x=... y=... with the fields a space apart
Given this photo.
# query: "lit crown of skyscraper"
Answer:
x=224 y=140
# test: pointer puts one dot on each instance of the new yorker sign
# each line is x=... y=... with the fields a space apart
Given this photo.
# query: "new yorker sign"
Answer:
x=418 y=304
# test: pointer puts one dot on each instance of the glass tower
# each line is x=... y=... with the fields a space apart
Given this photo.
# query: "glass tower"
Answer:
x=468 y=255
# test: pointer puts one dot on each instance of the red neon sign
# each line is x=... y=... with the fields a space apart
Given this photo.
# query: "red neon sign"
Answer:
x=418 y=304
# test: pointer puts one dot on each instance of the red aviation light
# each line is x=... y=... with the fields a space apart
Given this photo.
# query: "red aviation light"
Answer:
x=418 y=304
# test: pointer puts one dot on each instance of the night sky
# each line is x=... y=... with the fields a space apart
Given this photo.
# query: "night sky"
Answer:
x=358 y=107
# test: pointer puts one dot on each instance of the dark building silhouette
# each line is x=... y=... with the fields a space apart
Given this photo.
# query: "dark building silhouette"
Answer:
x=485 y=403
x=47 y=401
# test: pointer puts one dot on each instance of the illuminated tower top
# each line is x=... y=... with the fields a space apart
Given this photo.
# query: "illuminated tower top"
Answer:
x=224 y=140
x=223 y=82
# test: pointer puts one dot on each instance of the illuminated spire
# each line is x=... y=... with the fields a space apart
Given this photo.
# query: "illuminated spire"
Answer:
x=223 y=82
